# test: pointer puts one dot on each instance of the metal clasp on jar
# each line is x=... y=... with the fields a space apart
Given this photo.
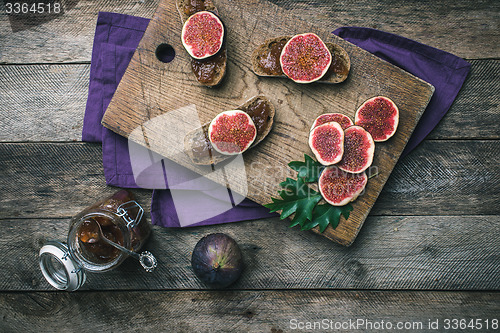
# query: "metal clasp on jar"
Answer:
x=123 y=212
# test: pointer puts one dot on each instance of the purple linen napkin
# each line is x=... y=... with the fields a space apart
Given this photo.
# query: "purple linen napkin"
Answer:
x=115 y=29
x=445 y=71
x=115 y=40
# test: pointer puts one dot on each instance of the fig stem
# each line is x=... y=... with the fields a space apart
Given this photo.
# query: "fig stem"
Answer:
x=216 y=265
x=371 y=176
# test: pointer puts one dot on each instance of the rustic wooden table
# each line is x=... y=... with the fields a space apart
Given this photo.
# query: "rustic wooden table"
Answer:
x=428 y=252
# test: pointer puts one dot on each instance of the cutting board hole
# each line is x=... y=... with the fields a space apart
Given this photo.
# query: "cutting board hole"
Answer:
x=165 y=53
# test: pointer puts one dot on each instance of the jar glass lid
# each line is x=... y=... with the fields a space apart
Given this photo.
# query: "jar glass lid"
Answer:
x=59 y=268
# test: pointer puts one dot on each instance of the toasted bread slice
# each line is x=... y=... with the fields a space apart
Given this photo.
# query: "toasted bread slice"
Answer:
x=186 y=9
x=338 y=71
x=197 y=144
x=210 y=71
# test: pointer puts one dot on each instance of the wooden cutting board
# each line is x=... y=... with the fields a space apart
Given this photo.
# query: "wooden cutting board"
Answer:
x=151 y=91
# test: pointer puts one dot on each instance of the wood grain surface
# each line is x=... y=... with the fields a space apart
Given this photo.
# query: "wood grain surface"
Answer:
x=467 y=29
x=34 y=90
x=405 y=244
x=30 y=92
x=441 y=177
x=152 y=94
x=391 y=252
x=246 y=311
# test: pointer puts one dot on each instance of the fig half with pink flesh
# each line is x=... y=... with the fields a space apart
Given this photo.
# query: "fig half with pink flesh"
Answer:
x=379 y=116
x=338 y=187
x=232 y=132
x=305 y=58
x=202 y=35
x=359 y=149
x=343 y=120
x=327 y=143
x=199 y=148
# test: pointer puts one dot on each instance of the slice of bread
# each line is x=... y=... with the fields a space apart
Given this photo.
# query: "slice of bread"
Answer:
x=210 y=71
x=339 y=57
x=262 y=50
x=215 y=65
x=198 y=147
x=186 y=9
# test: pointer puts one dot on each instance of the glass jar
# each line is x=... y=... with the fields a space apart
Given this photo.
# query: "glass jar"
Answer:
x=120 y=219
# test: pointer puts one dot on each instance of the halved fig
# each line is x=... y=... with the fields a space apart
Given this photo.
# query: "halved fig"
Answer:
x=339 y=187
x=202 y=35
x=232 y=132
x=343 y=120
x=327 y=143
x=379 y=116
x=359 y=148
x=199 y=148
x=266 y=60
x=305 y=58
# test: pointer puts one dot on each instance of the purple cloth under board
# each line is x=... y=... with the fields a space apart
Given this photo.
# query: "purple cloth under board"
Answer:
x=115 y=40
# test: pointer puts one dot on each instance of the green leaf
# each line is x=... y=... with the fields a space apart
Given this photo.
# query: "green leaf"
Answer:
x=296 y=197
x=309 y=170
x=309 y=224
x=326 y=214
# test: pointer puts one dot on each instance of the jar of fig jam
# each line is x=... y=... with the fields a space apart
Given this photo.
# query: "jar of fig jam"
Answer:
x=117 y=219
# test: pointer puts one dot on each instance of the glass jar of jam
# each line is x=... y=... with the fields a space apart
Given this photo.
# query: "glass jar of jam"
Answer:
x=100 y=238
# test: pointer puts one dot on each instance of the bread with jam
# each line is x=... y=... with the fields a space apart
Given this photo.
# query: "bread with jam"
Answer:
x=266 y=60
x=210 y=71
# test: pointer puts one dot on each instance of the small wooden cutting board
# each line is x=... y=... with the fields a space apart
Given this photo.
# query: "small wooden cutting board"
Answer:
x=152 y=90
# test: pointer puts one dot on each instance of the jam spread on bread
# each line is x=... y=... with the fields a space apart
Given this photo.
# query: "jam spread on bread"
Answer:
x=338 y=66
x=269 y=59
x=201 y=146
x=193 y=6
x=259 y=112
x=206 y=70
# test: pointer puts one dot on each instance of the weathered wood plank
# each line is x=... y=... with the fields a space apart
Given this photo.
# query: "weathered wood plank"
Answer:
x=467 y=29
x=247 y=311
x=67 y=37
x=397 y=252
x=445 y=177
x=43 y=102
x=451 y=26
x=394 y=251
x=51 y=180
x=475 y=112
x=438 y=178
x=30 y=92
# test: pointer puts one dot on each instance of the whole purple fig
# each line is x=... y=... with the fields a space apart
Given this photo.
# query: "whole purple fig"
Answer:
x=217 y=260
